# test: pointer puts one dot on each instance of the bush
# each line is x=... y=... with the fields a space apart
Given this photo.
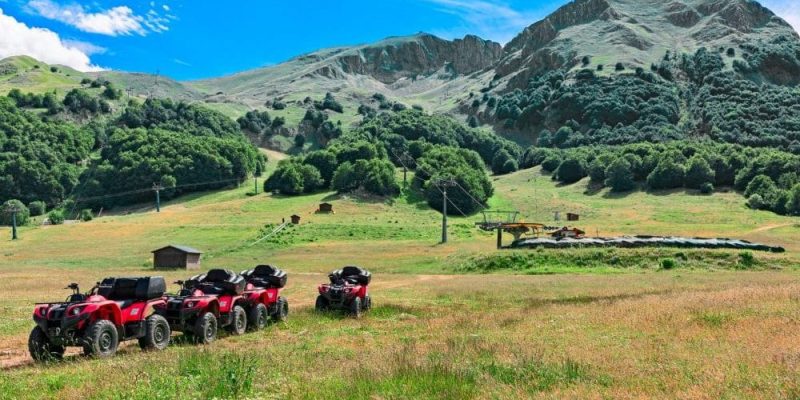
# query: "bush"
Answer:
x=571 y=170
x=37 y=208
x=747 y=259
x=699 y=173
x=299 y=140
x=668 y=263
x=503 y=163
x=86 y=215
x=551 y=163
x=375 y=176
x=6 y=217
x=667 y=175
x=619 y=67
x=756 y=202
x=707 y=188
x=56 y=217
x=619 y=176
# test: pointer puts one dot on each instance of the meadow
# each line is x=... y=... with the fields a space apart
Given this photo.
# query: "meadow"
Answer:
x=461 y=320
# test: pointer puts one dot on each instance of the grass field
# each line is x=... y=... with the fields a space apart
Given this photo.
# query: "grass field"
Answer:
x=545 y=324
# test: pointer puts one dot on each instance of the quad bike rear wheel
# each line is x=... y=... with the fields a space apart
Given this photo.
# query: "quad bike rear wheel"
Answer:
x=367 y=303
x=355 y=308
x=156 y=333
x=322 y=304
x=281 y=312
x=102 y=339
x=40 y=347
x=205 y=329
x=238 y=324
x=257 y=317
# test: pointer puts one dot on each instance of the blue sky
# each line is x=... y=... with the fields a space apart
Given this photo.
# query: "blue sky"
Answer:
x=202 y=38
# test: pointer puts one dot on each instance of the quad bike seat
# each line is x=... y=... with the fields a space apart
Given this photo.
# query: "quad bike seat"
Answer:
x=222 y=281
x=266 y=276
x=351 y=274
x=126 y=291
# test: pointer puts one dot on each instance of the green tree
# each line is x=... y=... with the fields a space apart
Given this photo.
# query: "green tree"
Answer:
x=619 y=176
x=325 y=162
x=667 y=175
x=571 y=170
x=793 y=205
x=6 y=215
x=56 y=217
x=699 y=173
x=37 y=208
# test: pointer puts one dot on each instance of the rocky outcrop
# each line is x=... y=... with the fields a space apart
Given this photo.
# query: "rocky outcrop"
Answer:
x=424 y=54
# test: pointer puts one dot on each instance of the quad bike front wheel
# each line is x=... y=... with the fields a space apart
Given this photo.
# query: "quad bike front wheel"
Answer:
x=257 y=318
x=356 y=308
x=205 y=329
x=281 y=310
x=156 y=333
x=322 y=304
x=238 y=325
x=40 y=347
x=102 y=339
x=367 y=303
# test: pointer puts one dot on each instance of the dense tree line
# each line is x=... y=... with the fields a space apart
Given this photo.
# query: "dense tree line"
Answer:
x=39 y=159
x=437 y=148
x=397 y=130
x=769 y=179
x=46 y=159
x=683 y=96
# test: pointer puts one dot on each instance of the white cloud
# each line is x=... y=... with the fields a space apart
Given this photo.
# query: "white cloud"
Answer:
x=165 y=7
x=85 y=47
x=181 y=62
x=489 y=19
x=17 y=39
x=115 y=21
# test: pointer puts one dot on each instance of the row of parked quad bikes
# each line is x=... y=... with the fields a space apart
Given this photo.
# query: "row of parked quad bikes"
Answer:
x=120 y=309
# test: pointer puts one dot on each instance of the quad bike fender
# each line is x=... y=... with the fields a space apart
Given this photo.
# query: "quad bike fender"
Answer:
x=109 y=311
x=362 y=292
x=226 y=303
x=270 y=296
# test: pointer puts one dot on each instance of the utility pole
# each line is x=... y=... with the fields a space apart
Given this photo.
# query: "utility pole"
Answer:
x=444 y=184
x=13 y=210
x=405 y=159
x=255 y=181
x=157 y=188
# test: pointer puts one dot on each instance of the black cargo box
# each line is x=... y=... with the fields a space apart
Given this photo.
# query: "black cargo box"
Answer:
x=145 y=288
x=354 y=274
x=266 y=276
x=226 y=281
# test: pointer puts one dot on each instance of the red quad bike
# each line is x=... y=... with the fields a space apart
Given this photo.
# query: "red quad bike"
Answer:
x=115 y=310
x=263 y=301
x=347 y=291
x=207 y=302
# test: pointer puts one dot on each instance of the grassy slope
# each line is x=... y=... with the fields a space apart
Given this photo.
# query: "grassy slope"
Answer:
x=695 y=332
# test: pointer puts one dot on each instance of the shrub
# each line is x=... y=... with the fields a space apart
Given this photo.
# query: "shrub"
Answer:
x=299 y=140
x=619 y=176
x=6 y=217
x=503 y=163
x=37 y=208
x=86 y=215
x=56 y=217
x=756 y=202
x=668 y=263
x=571 y=170
x=619 y=67
x=699 y=173
x=667 y=175
x=747 y=259
x=707 y=188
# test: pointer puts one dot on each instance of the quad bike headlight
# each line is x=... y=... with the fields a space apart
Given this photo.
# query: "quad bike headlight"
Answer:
x=75 y=311
x=191 y=304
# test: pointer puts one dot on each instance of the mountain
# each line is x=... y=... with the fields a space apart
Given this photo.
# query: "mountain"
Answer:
x=635 y=33
x=421 y=69
x=444 y=75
